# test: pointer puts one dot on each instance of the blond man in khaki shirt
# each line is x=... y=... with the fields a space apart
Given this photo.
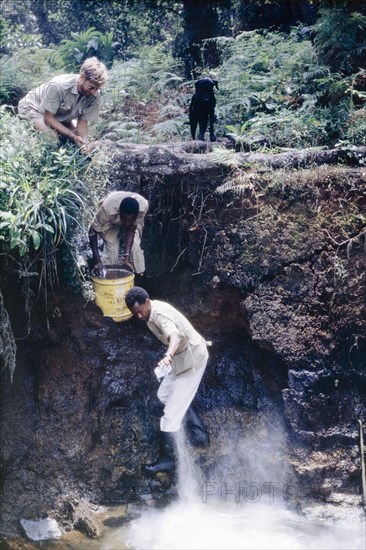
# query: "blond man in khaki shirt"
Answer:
x=120 y=209
x=65 y=105
x=181 y=369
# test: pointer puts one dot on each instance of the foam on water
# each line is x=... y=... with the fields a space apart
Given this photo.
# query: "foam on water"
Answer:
x=207 y=521
x=229 y=526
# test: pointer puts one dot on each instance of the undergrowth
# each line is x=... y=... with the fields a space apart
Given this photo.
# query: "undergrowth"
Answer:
x=48 y=196
x=273 y=94
x=275 y=90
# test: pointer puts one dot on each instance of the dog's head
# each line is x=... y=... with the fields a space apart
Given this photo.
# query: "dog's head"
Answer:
x=205 y=86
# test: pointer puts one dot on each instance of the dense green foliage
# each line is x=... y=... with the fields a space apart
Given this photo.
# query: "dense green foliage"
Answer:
x=48 y=194
x=21 y=73
x=340 y=40
x=36 y=192
x=274 y=93
x=295 y=88
x=144 y=99
x=275 y=85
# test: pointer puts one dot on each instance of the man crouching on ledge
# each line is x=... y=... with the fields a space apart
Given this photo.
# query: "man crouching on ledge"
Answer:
x=65 y=105
x=181 y=370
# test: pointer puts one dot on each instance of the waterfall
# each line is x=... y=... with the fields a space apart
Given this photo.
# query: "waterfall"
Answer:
x=188 y=484
x=221 y=512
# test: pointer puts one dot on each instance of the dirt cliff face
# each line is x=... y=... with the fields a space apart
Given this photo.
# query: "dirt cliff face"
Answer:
x=297 y=260
x=271 y=267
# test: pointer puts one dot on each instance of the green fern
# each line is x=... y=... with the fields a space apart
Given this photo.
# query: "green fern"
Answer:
x=341 y=39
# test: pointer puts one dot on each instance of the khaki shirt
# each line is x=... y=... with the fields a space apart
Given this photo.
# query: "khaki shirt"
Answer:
x=192 y=353
x=60 y=96
x=107 y=217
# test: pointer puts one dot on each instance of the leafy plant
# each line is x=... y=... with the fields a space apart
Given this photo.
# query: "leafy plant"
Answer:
x=143 y=99
x=72 y=52
x=16 y=37
x=355 y=131
x=237 y=133
x=340 y=40
x=38 y=208
x=275 y=93
x=107 y=48
x=47 y=194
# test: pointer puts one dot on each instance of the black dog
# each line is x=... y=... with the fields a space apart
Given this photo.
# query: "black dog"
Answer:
x=202 y=108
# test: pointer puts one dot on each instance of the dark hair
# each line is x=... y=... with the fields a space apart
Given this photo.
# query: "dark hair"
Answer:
x=129 y=206
x=136 y=294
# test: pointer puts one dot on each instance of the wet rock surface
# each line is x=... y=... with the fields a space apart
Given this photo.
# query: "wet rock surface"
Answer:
x=268 y=266
x=85 y=417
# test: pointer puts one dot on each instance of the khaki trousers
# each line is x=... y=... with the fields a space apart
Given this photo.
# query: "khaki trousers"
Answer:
x=177 y=394
x=110 y=254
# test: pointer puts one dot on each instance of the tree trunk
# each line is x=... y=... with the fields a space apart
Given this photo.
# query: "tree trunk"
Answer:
x=200 y=22
x=308 y=12
x=205 y=161
x=41 y=12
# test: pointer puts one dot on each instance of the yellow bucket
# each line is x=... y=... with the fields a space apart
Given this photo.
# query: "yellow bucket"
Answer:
x=110 y=292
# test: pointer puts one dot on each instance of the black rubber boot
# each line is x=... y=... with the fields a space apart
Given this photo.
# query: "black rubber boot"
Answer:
x=197 y=432
x=166 y=460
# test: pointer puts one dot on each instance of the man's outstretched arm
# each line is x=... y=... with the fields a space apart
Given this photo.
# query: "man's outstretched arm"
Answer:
x=56 y=125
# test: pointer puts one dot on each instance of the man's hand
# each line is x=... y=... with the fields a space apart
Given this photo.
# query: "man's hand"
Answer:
x=162 y=370
x=99 y=270
x=80 y=141
x=127 y=264
x=165 y=361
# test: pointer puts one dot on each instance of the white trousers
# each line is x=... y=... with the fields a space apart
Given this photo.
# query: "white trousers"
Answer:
x=177 y=394
x=110 y=253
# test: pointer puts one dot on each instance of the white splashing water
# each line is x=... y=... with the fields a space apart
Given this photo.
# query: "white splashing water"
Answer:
x=206 y=517
x=228 y=526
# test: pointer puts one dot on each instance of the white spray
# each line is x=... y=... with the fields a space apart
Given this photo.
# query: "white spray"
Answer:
x=236 y=508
